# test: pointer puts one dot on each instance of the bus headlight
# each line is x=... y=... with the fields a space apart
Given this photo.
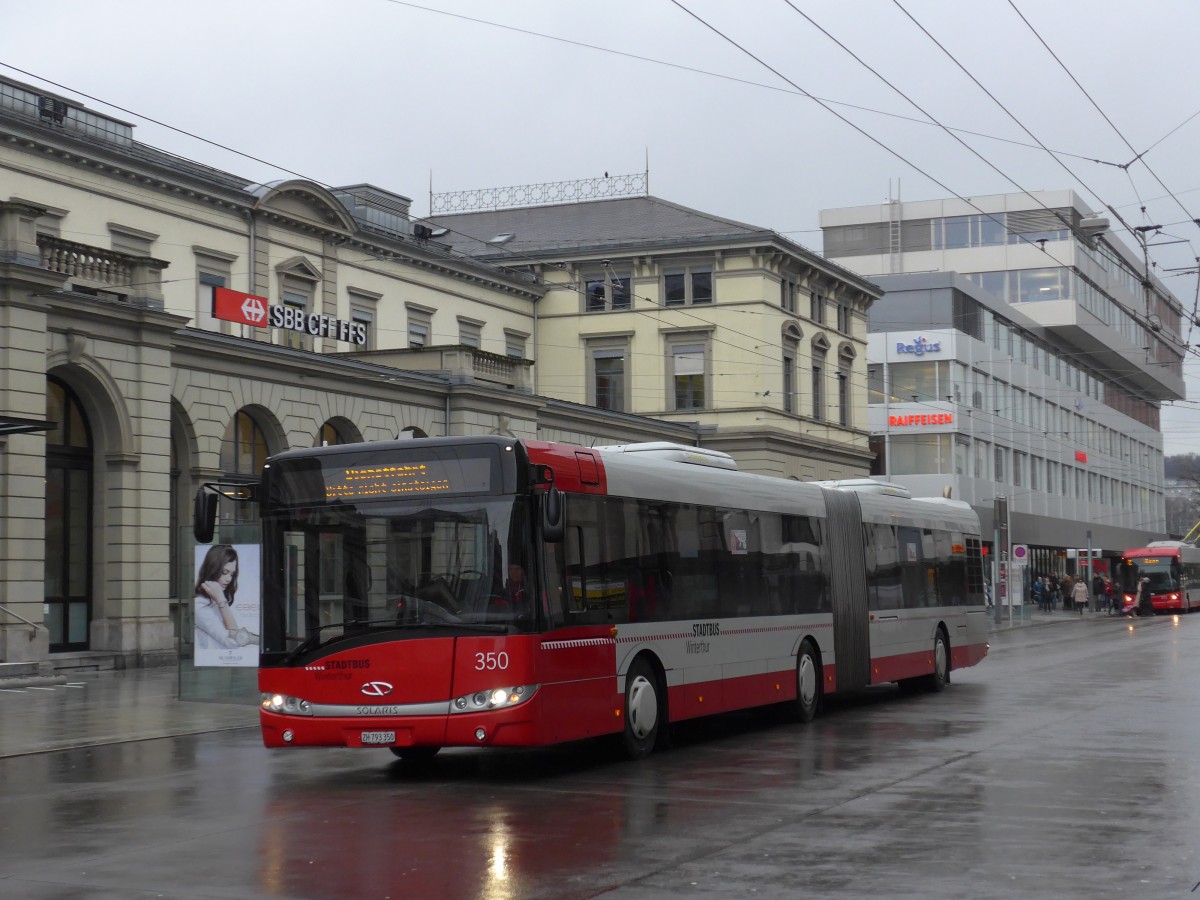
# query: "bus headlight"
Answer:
x=496 y=698
x=285 y=705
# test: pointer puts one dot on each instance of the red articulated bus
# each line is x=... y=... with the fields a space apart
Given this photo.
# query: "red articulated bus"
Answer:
x=486 y=591
x=1172 y=570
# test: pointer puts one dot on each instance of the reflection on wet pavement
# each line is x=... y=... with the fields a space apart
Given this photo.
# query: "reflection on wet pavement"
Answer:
x=1064 y=766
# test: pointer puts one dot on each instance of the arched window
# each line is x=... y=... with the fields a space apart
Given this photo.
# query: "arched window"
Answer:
x=68 y=547
x=820 y=347
x=243 y=453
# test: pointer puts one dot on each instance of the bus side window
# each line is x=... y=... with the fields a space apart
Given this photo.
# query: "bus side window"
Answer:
x=888 y=582
x=912 y=571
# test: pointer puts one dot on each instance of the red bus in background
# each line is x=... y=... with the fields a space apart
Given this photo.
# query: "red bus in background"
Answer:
x=485 y=591
x=1172 y=570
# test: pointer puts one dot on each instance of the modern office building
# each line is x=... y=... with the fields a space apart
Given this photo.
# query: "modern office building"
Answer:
x=1037 y=372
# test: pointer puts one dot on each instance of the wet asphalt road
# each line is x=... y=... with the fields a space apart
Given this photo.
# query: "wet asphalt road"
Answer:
x=1065 y=765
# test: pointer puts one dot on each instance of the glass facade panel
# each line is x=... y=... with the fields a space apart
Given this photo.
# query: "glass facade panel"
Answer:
x=920 y=454
x=55 y=622
x=77 y=619
x=55 y=530
x=77 y=535
x=1035 y=285
x=875 y=383
x=913 y=381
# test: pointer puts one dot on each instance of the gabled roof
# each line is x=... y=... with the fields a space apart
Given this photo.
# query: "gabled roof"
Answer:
x=629 y=224
x=592 y=223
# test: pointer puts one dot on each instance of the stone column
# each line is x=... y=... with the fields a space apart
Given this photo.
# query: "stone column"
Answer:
x=22 y=455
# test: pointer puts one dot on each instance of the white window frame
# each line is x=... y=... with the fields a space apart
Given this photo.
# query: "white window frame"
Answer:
x=296 y=299
x=610 y=347
x=604 y=280
x=419 y=324
x=214 y=268
x=515 y=343
x=689 y=271
x=682 y=350
x=470 y=332
x=363 y=308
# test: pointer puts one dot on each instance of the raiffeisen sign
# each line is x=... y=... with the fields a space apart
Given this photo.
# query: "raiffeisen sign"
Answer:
x=924 y=419
x=249 y=309
x=919 y=347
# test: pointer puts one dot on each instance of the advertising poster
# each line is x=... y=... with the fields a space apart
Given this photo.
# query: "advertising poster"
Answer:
x=226 y=605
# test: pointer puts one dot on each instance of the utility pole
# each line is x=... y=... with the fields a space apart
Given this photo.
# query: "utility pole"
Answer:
x=1000 y=557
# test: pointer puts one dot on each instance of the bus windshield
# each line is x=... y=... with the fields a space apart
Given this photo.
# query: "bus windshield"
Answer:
x=1163 y=573
x=347 y=571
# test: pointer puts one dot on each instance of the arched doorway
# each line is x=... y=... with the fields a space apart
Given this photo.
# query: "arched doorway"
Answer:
x=68 y=566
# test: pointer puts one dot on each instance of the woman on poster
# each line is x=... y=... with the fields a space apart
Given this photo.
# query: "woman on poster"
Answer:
x=216 y=586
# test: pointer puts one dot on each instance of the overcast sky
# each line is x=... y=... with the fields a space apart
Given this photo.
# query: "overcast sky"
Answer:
x=471 y=93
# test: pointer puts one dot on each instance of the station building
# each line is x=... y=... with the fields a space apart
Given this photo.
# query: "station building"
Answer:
x=164 y=324
x=1019 y=351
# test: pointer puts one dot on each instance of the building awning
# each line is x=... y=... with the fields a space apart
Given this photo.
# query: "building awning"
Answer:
x=15 y=425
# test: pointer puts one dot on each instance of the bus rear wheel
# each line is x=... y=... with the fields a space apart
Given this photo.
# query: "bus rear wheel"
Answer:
x=415 y=754
x=645 y=709
x=940 y=677
x=808 y=684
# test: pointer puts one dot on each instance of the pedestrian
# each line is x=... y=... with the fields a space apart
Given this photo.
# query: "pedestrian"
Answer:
x=1110 y=595
x=1039 y=593
x=1098 y=590
x=1079 y=595
x=1145 y=598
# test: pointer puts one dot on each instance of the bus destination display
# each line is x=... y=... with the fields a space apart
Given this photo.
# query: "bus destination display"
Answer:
x=376 y=482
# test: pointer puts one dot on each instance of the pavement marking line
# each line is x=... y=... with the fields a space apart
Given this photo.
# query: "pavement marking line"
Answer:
x=75 y=685
x=35 y=688
x=12 y=690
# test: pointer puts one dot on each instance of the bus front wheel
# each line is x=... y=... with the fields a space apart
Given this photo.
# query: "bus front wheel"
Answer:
x=645 y=709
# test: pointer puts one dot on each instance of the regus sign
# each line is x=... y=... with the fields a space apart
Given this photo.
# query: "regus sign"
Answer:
x=919 y=347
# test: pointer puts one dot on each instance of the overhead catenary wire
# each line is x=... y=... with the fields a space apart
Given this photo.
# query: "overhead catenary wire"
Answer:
x=282 y=168
x=1138 y=156
x=833 y=112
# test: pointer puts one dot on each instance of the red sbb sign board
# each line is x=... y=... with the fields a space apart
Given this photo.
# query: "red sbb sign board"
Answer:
x=245 y=309
x=250 y=309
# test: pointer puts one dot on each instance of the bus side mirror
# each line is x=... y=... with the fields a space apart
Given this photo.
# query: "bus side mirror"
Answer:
x=552 y=516
x=204 y=516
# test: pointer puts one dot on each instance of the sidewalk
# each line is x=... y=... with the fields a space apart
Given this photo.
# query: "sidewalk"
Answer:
x=1033 y=616
x=108 y=707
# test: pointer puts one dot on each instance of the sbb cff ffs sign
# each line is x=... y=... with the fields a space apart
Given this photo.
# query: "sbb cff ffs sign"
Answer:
x=249 y=309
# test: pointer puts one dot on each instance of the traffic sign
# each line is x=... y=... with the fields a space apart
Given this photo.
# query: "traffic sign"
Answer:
x=1020 y=554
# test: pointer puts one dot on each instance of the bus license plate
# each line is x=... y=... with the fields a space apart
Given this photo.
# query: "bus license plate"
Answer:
x=379 y=737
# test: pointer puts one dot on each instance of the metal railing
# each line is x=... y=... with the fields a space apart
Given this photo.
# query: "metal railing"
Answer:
x=34 y=625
